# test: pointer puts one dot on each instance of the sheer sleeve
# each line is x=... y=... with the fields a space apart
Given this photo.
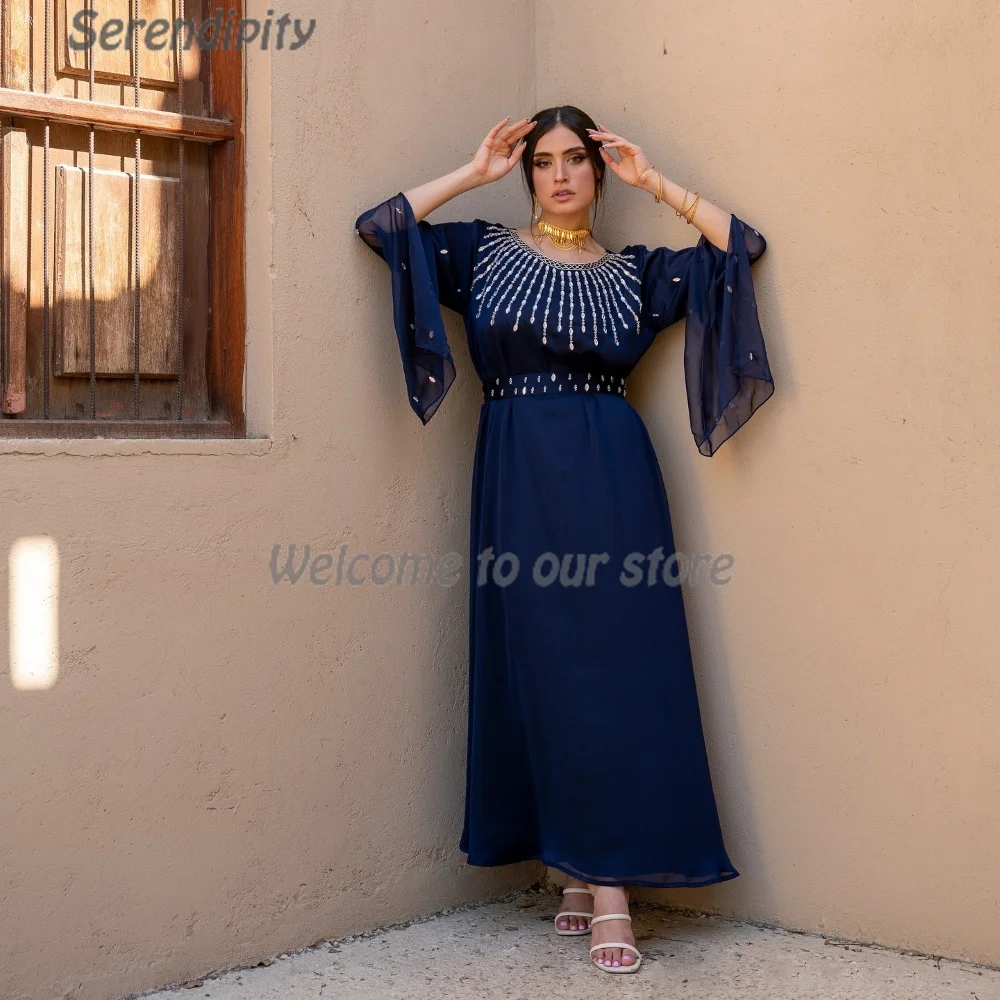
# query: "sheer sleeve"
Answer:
x=726 y=372
x=431 y=266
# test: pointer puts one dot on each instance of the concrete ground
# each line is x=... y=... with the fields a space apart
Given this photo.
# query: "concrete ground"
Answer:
x=508 y=950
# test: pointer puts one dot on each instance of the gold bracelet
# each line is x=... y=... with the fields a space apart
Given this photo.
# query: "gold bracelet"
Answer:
x=659 y=187
x=638 y=176
x=680 y=214
x=689 y=216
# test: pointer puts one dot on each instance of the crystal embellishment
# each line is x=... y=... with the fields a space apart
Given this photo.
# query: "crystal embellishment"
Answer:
x=517 y=385
x=593 y=297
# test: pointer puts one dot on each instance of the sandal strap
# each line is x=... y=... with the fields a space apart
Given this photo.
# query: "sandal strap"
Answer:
x=576 y=888
x=614 y=944
x=571 y=913
x=611 y=916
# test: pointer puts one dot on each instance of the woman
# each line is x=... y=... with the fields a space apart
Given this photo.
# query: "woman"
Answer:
x=585 y=746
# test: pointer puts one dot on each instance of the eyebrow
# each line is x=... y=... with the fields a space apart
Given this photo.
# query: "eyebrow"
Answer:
x=572 y=149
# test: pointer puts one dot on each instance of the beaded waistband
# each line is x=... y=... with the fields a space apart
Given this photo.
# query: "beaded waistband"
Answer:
x=553 y=383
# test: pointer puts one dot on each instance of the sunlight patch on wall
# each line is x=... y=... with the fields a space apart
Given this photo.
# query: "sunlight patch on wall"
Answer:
x=33 y=613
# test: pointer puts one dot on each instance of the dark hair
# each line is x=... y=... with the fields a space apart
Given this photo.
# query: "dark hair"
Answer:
x=576 y=121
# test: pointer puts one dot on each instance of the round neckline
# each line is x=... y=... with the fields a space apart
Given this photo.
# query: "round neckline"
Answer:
x=551 y=260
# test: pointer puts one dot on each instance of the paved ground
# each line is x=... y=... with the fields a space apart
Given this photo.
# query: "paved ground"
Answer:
x=508 y=950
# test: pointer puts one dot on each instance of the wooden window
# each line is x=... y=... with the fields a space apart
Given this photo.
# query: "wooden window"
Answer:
x=123 y=303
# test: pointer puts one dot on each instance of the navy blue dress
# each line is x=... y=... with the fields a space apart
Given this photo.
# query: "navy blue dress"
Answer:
x=585 y=743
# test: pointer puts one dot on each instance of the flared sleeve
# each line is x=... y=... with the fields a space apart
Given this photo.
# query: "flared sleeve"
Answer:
x=726 y=372
x=431 y=266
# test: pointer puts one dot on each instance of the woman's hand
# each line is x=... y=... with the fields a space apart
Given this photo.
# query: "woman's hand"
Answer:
x=500 y=150
x=633 y=160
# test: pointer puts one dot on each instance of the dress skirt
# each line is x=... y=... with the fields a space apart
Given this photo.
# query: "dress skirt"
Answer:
x=585 y=745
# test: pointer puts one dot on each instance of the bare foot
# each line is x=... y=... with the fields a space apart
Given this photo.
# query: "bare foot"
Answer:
x=576 y=901
x=611 y=899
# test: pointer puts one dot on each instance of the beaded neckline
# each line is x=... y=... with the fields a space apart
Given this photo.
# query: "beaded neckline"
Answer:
x=557 y=263
x=598 y=295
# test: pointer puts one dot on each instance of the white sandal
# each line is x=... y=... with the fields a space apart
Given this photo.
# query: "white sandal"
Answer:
x=615 y=944
x=572 y=913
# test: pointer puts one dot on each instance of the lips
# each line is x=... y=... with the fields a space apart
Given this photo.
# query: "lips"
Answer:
x=562 y=193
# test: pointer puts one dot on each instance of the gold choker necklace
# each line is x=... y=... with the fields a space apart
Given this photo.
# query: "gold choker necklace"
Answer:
x=564 y=239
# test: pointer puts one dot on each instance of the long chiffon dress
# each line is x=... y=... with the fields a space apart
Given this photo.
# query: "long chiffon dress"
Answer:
x=585 y=743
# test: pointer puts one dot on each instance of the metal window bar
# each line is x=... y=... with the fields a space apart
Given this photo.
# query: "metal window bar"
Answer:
x=180 y=222
x=92 y=321
x=46 y=374
x=136 y=235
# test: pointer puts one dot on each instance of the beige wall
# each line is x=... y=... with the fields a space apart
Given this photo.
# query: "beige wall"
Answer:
x=224 y=769
x=848 y=674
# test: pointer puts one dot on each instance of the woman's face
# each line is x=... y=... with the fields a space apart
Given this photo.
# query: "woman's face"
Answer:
x=561 y=163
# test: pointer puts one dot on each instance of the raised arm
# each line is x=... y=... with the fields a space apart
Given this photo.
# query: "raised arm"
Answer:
x=432 y=264
x=635 y=169
x=498 y=153
x=433 y=194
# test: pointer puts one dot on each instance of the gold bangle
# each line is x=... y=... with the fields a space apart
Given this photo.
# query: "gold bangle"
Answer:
x=689 y=216
x=659 y=187
x=680 y=214
x=638 y=176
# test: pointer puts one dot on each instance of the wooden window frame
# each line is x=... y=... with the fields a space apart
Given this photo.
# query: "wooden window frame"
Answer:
x=225 y=134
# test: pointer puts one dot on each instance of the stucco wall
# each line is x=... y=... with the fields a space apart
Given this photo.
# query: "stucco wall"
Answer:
x=225 y=768
x=848 y=673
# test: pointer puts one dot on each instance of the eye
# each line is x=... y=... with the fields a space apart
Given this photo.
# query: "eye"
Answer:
x=578 y=157
x=541 y=163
